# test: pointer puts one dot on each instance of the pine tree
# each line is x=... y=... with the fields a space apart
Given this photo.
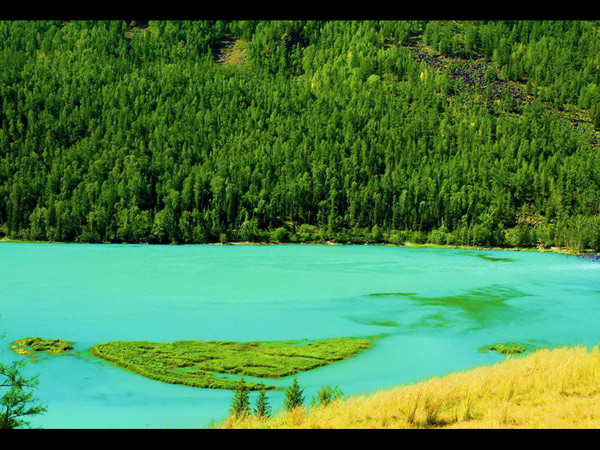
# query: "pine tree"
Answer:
x=18 y=401
x=263 y=409
x=241 y=401
x=293 y=396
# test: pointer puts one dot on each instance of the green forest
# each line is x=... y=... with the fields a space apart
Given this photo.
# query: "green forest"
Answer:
x=479 y=133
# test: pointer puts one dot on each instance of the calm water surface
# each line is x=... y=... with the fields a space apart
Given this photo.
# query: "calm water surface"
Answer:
x=447 y=304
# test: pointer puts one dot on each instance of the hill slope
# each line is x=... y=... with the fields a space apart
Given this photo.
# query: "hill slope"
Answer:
x=305 y=131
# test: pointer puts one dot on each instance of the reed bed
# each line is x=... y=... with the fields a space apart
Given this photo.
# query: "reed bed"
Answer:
x=549 y=388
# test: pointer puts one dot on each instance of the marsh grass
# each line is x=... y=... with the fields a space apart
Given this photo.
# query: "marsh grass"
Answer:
x=508 y=348
x=193 y=363
x=31 y=346
x=558 y=388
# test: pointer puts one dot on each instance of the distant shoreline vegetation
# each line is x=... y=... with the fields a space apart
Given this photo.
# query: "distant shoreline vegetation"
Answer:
x=586 y=253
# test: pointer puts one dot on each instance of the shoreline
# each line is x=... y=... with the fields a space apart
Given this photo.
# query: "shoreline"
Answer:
x=528 y=392
x=558 y=250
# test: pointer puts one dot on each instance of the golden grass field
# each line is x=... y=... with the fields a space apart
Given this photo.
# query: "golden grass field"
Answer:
x=558 y=388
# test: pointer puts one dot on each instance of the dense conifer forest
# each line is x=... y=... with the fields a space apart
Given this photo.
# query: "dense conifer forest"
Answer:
x=448 y=132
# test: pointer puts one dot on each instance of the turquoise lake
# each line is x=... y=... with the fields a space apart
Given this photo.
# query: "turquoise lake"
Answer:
x=447 y=303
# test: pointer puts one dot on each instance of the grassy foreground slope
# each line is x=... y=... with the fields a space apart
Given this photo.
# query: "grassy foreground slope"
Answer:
x=557 y=388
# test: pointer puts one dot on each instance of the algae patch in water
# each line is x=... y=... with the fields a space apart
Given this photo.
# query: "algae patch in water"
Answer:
x=431 y=321
x=31 y=346
x=384 y=323
x=483 y=306
x=372 y=321
x=489 y=258
x=386 y=294
x=508 y=348
x=192 y=363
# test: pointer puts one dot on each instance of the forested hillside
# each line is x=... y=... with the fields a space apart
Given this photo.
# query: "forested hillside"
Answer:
x=477 y=133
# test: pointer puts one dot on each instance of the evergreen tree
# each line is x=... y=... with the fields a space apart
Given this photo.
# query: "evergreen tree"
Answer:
x=263 y=409
x=293 y=396
x=18 y=401
x=240 y=405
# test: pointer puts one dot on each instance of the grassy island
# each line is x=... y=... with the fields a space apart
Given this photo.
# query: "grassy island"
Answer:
x=32 y=345
x=196 y=363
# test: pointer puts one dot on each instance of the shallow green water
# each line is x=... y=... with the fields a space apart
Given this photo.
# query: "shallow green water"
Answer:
x=433 y=310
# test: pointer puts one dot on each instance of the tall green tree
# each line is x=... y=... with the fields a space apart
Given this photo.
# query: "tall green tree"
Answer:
x=17 y=402
x=263 y=408
x=240 y=405
x=293 y=396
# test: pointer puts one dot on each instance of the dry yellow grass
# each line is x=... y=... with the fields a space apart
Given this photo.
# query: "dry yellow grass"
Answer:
x=557 y=388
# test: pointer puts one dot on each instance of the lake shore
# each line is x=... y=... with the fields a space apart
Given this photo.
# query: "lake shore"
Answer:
x=563 y=251
x=555 y=388
x=559 y=250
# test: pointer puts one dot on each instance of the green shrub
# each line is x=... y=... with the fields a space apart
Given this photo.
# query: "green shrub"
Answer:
x=279 y=235
x=326 y=395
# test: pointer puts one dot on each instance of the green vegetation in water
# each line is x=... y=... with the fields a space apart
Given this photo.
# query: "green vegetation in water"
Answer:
x=192 y=363
x=489 y=258
x=386 y=323
x=32 y=345
x=432 y=321
x=508 y=348
x=482 y=306
x=374 y=321
x=385 y=294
